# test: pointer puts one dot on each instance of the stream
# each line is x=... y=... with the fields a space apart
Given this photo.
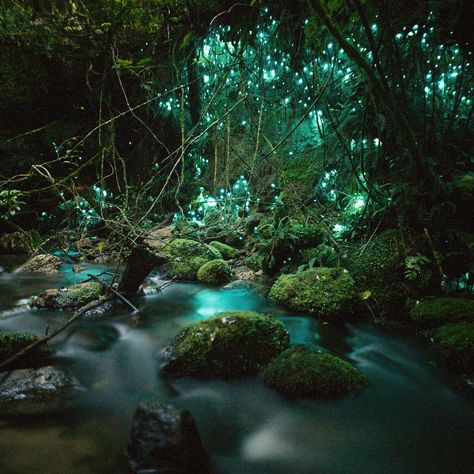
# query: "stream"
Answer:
x=408 y=420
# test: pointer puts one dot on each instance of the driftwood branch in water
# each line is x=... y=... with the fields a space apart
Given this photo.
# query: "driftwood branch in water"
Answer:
x=114 y=291
x=78 y=314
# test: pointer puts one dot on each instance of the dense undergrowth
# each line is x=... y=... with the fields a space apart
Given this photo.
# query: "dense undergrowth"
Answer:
x=305 y=132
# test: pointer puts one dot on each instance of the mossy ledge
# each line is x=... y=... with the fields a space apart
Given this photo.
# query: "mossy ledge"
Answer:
x=302 y=372
x=12 y=342
x=73 y=296
x=328 y=293
x=455 y=343
x=433 y=311
x=230 y=344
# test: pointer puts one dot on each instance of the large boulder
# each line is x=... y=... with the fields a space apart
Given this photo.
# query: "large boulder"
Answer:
x=325 y=292
x=301 y=372
x=43 y=263
x=70 y=297
x=36 y=391
x=455 y=342
x=228 y=345
x=185 y=257
x=433 y=311
x=214 y=271
x=165 y=440
x=12 y=343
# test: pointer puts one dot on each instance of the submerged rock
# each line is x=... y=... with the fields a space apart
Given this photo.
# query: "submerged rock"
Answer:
x=302 y=372
x=42 y=263
x=185 y=257
x=36 y=391
x=324 y=292
x=455 y=343
x=242 y=272
x=12 y=343
x=227 y=252
x=442 y=310
x=228 y=345
x=165 y=440
x=73 y=296
x=215 y=271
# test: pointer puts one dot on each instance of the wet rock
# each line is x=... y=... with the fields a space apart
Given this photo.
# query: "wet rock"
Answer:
x=42 y=263
x=243 y=272
x=36 y=391
x=325 y=292
x=12 y=343
x=97 y=337
x=215 y=271
x=231 y=344
x=165 y=440
x=73 y=296
x=78 y=268
x=302 y=372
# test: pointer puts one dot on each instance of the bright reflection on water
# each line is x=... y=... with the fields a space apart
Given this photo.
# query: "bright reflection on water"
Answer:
x=407 y=421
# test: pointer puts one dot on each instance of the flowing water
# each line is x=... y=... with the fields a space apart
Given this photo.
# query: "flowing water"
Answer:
x=408 y=420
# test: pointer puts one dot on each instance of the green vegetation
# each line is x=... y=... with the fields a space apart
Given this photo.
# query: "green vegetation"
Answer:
x=301 y=372
x=227 y=252
x=12 y=343
x=73 y=296
x=228 y=345
x=442 y=310
x=328 y=293
x=456 y=345
x=215 y=271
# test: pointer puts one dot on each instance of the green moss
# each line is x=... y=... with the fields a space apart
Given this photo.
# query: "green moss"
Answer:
x=230 y=344
x=456 y=345
x=303 y=372
x=324 y=292
x=215 y=271
x=12 y=343
x=185 y=257
x=79 y=295
x=226 y=251
x=379 y=268
x=323 y=255
x=255 y=261
x=443 y=310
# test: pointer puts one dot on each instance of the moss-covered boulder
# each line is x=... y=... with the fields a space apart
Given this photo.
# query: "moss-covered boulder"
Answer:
x=325 y=292
x=185 y=257
x=227 y=252
x=215 y=271
x=301 y=372
x=11 y=343
x=455 y=342
x=231 y=344
x=73 y=296
x=433 y=311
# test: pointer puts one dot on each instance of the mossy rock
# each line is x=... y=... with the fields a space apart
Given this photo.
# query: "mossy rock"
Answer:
x=11 y=343
x=231 y=344
x=456 y=345
x=227 y=252
x=185 y=257
x=432 y=311
x=323 y=255
x=325 y=292
x=73 y=296
x=256 y=261
x=302 y=372
x=380 y=270
x=215 y=271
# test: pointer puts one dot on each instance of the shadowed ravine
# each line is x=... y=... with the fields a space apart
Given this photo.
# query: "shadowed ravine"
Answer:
x=408 y=420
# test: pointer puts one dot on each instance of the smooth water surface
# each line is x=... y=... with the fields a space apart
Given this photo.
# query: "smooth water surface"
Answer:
x=408 y=420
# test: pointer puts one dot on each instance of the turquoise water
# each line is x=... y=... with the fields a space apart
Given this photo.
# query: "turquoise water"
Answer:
x=408 y=420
